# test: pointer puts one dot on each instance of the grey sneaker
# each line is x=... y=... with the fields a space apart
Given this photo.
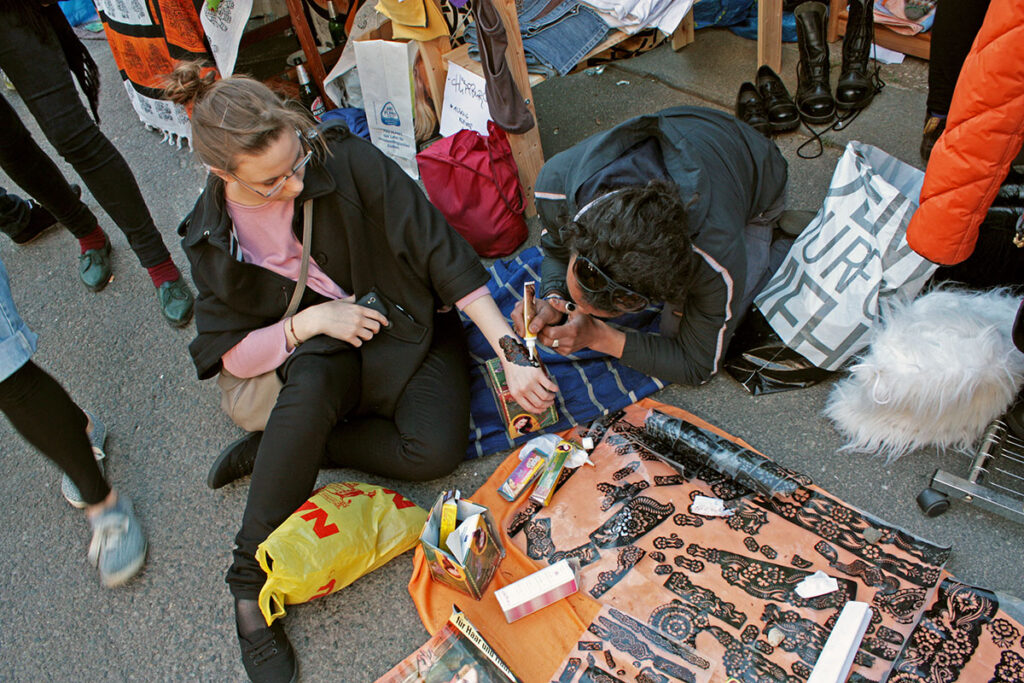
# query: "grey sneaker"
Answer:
x=118 y=547
x=96 y=439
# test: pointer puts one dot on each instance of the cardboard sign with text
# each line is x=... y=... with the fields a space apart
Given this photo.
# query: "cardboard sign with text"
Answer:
x=465 y=102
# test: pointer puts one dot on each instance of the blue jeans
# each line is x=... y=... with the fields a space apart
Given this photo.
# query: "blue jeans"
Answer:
x=36 y=65
x=17 y=341
x=557 y=41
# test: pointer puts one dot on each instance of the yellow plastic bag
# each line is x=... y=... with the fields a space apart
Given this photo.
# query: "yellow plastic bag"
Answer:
x=343 y=531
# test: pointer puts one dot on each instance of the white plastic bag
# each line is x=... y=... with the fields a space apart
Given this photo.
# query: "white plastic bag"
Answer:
x=853 y=256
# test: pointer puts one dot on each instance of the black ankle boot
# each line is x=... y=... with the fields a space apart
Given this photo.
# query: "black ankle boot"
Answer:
x=750 y=109
x=854 y=90
x=813 y=94
x=235 y=461
x=782 y=112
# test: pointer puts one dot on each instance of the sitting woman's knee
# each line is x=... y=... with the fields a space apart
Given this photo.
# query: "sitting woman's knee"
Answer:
x=434 y=457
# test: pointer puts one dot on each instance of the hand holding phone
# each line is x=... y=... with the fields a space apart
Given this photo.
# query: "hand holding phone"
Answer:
x=373 y=300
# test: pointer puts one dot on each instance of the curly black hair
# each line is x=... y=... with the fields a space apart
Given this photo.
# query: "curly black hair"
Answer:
x=640 y=237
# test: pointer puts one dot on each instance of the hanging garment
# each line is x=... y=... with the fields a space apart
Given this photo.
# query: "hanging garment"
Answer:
x=507 y=107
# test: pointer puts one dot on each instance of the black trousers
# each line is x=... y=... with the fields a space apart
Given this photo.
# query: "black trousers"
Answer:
x=956 y=24
x=38 y=69
x=45 y=415
x=313 y=418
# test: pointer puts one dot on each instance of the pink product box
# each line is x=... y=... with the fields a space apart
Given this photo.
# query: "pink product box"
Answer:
x=538 y=590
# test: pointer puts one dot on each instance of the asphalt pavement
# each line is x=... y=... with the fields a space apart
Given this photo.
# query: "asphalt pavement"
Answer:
x=117 y=357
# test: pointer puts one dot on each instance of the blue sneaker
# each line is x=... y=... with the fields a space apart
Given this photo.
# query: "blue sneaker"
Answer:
x=118 y=547
x=97 y=438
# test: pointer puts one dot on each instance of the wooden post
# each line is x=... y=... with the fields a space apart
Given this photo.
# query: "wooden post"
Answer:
x=769 y=33
x=683 y=35
x=313 y=62
x=526 y=148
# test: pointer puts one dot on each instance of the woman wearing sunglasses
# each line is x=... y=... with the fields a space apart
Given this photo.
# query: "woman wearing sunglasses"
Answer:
x=675 y=209
x=386 y=393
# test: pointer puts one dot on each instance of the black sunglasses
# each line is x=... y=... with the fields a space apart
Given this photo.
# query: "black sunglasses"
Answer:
x=592 y=280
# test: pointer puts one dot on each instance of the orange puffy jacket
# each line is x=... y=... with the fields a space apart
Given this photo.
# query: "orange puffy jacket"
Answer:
x=984 y=132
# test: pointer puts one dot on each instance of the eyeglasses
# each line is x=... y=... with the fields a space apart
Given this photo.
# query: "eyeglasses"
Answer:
x=592 y=280
x=268 y=194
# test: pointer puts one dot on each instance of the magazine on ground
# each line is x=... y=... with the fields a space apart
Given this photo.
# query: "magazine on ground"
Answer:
x=457 y=653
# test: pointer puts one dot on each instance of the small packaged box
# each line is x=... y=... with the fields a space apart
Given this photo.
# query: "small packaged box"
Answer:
x=469 y=558
x=538 y=590
x=517 y=419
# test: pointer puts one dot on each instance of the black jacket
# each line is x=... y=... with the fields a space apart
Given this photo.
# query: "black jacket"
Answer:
x=373 y=229
x=728 y=175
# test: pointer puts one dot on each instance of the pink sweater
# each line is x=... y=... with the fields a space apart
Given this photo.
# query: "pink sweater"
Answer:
x=266 y=239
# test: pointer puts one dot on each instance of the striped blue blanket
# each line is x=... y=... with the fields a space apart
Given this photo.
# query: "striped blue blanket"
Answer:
x=589 y=383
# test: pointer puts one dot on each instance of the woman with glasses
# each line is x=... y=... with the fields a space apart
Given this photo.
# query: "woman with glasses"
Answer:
x=674 y=208
x=383 y=392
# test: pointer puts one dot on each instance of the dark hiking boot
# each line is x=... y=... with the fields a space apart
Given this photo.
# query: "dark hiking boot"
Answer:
x=855 y=89
x=813 y=94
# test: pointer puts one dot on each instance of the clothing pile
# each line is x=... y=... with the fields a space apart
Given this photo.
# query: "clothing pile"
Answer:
x=557 y=34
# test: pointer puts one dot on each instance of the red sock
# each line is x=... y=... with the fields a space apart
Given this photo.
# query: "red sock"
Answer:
x=94 y=240
x=165 y=271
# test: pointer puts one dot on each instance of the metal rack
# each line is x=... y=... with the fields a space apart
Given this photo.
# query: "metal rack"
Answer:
x=995 y=480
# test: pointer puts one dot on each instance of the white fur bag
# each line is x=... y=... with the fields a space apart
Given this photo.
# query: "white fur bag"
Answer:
x=937 y=371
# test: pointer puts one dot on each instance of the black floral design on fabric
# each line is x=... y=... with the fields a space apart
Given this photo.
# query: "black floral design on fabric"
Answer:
x=571 y=667
x=751 y=544
x=614 y=494
x=586 y=554
x=521 y=518
x=1010 y=669
x=646 y=675
x=947 y=634
x=1003 y=632
x=802 y=670
x=870 y=574
x=627 y=559
x=747 y=665
x=844 y=526
x=589 y=645
x=610 y=660
x=879 y=648
x=890 y=636
x=625 y=640
x=663 y=569
x=803 y=637
x=633 y=520
x=670 y=542
x=659 y=640
x=692 y=566
x=800 y=562
x=657 y=556
x=769 y=581
x=679 y=621
x=626 y=471
x=747 y=519
x=903 y=605
x=764 y=647
x=769 y=552
x=704 y=600
x=669 y=480
x=595 y=674
x=686 y=519
x=749 y=634
x=538 y=539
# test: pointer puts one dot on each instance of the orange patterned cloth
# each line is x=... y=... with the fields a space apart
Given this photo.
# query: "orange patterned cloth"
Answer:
x=673 y=594
x=147 y=37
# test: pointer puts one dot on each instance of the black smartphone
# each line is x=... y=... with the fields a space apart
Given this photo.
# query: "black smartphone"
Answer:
x=373 y=300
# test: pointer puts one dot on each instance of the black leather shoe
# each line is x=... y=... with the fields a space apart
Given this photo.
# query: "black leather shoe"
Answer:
x=782 y=111
x=750 y=109
x=268 y=657
x=813 y=94
x=176 y=302
x=235 y=461
x=39 y=220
